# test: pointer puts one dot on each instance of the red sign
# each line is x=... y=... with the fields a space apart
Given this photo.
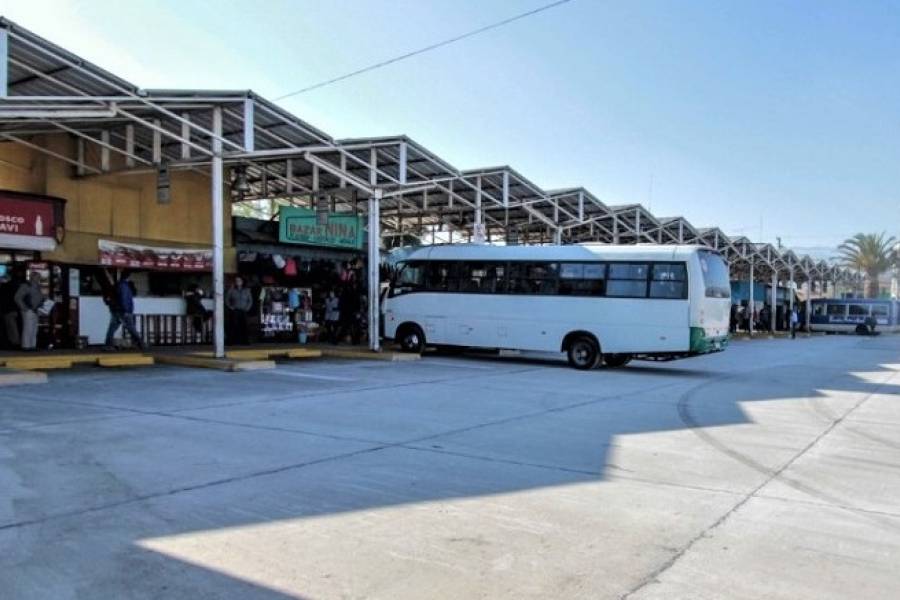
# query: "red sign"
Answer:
x=134 y=256
x=26 y=217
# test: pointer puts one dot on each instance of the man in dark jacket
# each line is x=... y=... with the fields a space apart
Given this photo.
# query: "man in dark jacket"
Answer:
x=238 y=303
x=9 y=312
x=121 y=312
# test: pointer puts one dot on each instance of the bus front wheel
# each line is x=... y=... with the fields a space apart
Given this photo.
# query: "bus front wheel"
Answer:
x=583 y=353
x=412 y=339
x=616 y=360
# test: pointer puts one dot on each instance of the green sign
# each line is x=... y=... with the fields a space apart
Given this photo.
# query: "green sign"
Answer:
x=301 y=226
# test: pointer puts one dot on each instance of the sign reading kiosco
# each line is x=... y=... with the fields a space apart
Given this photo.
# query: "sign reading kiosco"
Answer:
x=30 y=221
x=301 y=226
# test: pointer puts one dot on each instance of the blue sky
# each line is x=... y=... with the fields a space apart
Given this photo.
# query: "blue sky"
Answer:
x=766 y=118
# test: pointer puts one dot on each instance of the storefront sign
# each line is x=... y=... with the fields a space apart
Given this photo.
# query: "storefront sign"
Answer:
x=29 y=222
x=135 y=256
x=300 y=226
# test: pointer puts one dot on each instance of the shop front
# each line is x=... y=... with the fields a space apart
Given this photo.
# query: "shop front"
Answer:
x=293 y=264
x=31 y=225
x=172 y=302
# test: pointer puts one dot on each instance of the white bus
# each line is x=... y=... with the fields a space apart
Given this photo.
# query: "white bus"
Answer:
x=596 y=303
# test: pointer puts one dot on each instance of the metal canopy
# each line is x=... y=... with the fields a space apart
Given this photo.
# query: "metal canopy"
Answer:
x=118 y=127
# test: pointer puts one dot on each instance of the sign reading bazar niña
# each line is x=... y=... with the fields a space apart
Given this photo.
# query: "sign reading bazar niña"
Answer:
x=300 y=226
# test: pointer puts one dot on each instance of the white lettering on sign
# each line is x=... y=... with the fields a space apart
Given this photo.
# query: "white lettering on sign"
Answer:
x=10 y=223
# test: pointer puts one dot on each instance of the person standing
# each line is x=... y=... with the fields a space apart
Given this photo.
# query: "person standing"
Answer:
x=121 y=312
x=199 y=314
x=332 y=316
x=28 y=299
x=238 y=301
x=795 y=320
x=349 y=308
x=9 y=312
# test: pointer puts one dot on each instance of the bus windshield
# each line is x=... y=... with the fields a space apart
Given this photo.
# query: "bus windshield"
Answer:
x=715 y=275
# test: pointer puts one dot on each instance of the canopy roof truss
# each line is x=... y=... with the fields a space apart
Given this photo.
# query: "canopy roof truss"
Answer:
x=117 y=127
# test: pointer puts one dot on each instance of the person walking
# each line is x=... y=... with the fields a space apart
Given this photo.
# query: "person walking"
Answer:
x=28 y=299
x=238 y=302
x=121 y=313
x=332 y=316
x=795 y=320
x=9 y=312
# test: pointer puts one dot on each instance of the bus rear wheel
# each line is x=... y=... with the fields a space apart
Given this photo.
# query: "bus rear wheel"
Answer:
x=616 y=360
x=583 y=353
x=412 y=339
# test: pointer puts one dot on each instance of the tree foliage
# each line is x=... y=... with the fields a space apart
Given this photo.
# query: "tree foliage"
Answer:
x=870 y=253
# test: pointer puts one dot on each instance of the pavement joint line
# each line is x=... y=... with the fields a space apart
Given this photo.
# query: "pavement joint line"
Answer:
x=852 y=509
x=165 y=414
x=265 y=472
x=668 y=564
x=401 y=444
x=36 y=426
x=184 y=489
x=320 y=393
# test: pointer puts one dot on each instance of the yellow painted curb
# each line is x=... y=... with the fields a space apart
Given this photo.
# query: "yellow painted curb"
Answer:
x=369 y=355
x=208 y=362
x=39 y=363
x=266 y=353
x=125 y=360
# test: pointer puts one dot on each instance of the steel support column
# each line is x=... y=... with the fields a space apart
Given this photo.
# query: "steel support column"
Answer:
x=218 y=224
x=808 y=302
x=773 y=300
x=791 y=290
x=750 y=306
x=249 y=130
x=374 y=243
x=4 y=62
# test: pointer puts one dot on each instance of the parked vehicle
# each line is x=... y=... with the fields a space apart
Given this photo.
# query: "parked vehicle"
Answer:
x=596 y=303
x=855 y=315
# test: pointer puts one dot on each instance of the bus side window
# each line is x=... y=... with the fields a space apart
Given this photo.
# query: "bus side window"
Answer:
x=582 y=279
x=440 y=277
x=837 y=310
x=668 y=281
x=410 y=279
x=533 y=278
x=627 y=280
x=859 y=310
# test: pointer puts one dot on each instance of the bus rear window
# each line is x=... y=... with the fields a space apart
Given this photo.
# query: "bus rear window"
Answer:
x=715 y=275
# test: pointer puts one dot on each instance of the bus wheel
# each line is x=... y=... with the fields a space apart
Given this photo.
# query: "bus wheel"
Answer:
x=412 y=339
x=862 y=330
x=616 y=360
x=583 y=353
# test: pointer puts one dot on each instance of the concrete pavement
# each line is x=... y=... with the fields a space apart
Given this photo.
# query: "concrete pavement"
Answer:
x=767 y=471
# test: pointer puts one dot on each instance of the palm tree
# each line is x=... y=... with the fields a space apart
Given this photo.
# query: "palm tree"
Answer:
x=871 y=253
